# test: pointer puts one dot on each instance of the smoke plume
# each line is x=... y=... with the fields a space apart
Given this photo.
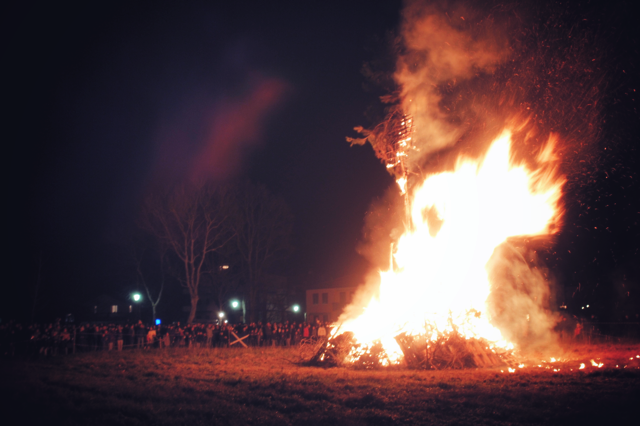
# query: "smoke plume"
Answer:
x=520 y=300
x=443 y=48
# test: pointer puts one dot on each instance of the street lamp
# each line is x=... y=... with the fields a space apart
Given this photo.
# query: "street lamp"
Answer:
x=296 y=308
x=235 y=304
x=221 y=315
x=137 y=298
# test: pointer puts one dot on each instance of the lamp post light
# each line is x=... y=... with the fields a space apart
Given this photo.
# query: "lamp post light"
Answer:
x=137 y=297
x=236 y=305
x=296 y=308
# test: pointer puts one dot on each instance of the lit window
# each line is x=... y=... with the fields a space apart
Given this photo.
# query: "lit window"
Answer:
x=325 y=298
x=130 y=308
x=114 y=309
x=315 y=298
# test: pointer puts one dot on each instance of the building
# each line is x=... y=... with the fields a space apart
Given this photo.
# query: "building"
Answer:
x=106 y=308
x=327 y=304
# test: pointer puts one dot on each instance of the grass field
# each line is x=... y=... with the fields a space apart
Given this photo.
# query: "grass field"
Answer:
x=265 y=386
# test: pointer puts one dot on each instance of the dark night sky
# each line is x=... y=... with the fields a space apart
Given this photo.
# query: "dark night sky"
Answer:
x=105 y=97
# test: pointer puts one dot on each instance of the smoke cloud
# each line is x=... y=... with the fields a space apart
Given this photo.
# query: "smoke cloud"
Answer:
x=443 y=47
x=520 y=300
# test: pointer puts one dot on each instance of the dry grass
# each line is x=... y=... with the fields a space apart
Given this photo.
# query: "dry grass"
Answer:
x=253 y=386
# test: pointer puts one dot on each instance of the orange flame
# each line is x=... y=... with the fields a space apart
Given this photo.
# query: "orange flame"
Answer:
x=438 y=281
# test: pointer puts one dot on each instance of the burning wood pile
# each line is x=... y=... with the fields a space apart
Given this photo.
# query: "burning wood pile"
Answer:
x=449 y=350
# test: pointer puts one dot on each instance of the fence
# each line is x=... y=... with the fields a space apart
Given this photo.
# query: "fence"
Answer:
x=96 y=342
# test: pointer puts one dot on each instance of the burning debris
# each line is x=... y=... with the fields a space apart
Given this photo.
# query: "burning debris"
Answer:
x=449 y=350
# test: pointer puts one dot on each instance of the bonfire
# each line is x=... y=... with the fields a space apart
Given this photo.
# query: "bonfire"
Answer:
x=430 y=308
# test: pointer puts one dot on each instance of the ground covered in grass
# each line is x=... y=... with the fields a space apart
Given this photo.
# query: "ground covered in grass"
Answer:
x=265 y=386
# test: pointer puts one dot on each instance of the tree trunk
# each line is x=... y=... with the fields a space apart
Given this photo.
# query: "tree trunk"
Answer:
x=192 y=313
x=252 y=305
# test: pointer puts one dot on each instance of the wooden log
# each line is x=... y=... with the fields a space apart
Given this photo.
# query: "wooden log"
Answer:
x=414 y=349
x=480 y=350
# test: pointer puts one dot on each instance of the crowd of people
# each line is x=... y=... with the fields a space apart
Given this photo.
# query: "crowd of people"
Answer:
x=60 y=338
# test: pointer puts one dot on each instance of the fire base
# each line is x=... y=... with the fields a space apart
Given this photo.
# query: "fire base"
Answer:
x=448 y=351
x=451 y=350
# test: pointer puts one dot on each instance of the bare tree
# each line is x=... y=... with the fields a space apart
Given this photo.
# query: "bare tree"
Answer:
x=262 y=224
x=138 y=253
x=222 y=281
x=192 y=220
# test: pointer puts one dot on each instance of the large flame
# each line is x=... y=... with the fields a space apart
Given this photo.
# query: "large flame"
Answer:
x=438 y=280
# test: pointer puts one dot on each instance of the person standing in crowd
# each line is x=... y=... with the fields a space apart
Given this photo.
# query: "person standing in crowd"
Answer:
x=120 y=338
x=166 y=336
x=209 y=335
x=306 y=331
x=322 y=331
x=131 y=336
x=140 y=335
x=109 y=337
x=268 y=334
x=259 y=334
x=151 y=337
x=65 y=338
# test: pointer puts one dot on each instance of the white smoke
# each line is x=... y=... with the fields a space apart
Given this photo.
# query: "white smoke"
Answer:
x=443 y=48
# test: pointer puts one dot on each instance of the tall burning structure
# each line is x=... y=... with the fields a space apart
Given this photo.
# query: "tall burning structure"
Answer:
x=459 y=290
x=393 y=141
